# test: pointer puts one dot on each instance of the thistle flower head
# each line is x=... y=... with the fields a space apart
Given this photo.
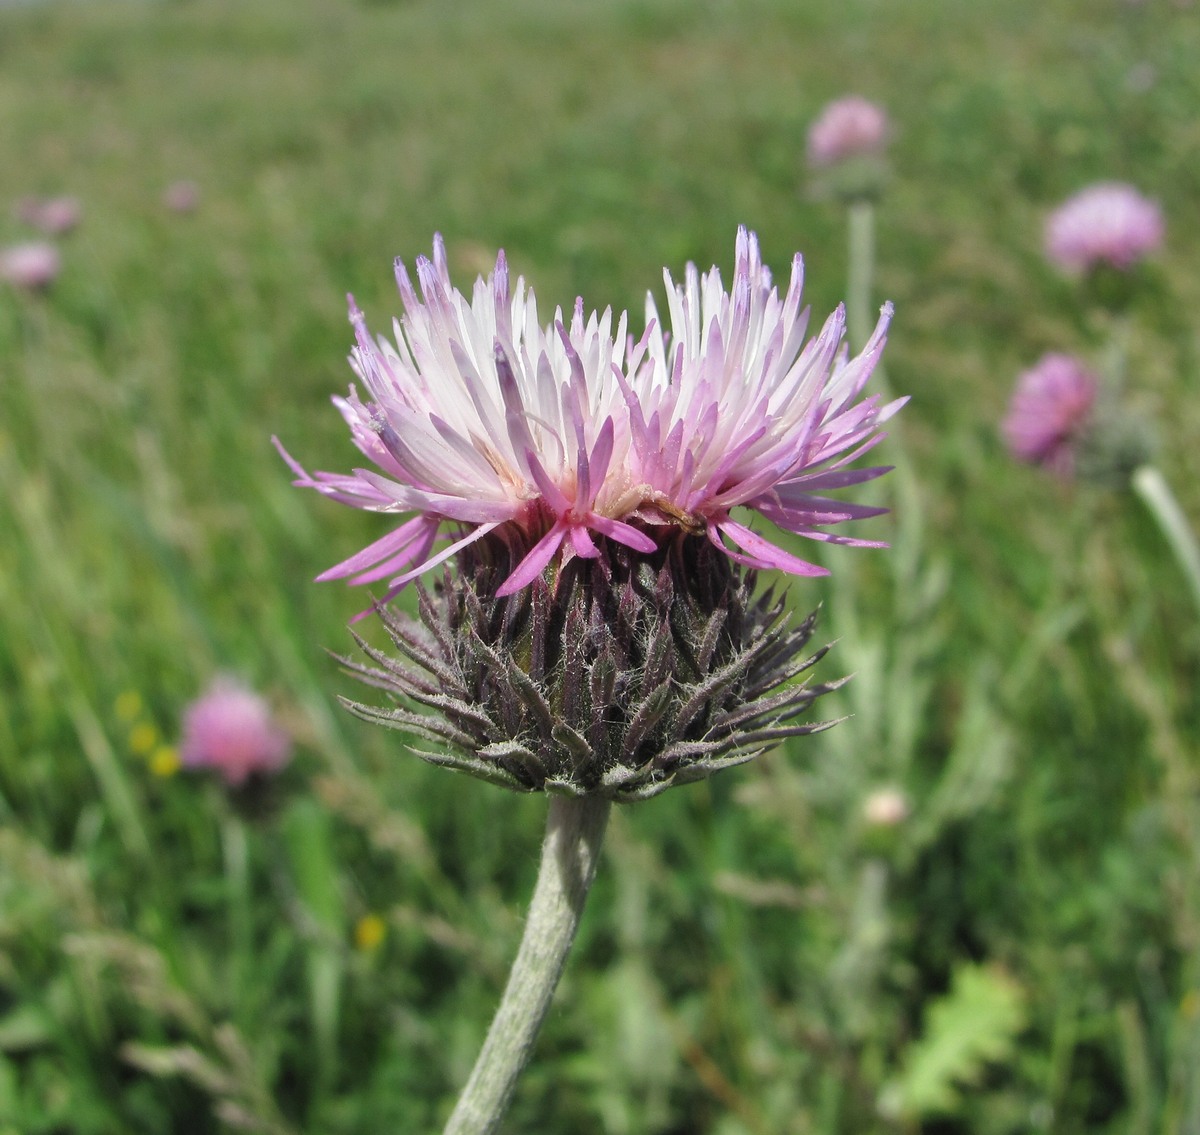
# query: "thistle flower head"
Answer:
x=1105 y=224
x=600 y=634
x=849 y=127
x=182 y=196
x=53 y=215
x=33 y=265
x=573 y=439
x=229 y=729
x=1050 y=411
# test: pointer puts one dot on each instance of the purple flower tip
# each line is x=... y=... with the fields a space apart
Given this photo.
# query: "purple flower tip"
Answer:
x=229 y=729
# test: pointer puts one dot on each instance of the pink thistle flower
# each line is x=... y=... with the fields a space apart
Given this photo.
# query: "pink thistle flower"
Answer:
x=33 y=265
x=849 y=127
x=59 y=215
x=481 y=420
x=230 y=730
x=53 y=215
x=182 y=196
x=1049 y=411
x=1107 y=223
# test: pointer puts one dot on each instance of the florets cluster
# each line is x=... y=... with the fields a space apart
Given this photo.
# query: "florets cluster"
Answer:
x=573 y=436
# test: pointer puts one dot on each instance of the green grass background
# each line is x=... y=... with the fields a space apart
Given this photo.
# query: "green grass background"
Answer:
x=1021 y=954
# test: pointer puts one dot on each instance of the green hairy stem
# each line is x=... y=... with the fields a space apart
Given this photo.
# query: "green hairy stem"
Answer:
x=574 y=832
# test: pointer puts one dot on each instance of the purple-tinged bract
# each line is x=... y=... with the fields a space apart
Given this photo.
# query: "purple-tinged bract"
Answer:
x=1108 y=223
x=230 y=730
x=1050 y=411
x=481 y=421
x=630 y=675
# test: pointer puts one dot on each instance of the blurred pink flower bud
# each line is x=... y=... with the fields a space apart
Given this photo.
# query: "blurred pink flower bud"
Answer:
x=850 y=127
x=1108 y=223
x=230 y=730
x=182 y=196
x=1049 y=411
x=885 y=808
x=33 y=265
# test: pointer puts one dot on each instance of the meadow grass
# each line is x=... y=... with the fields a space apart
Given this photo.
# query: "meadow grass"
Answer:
x=1021 y=953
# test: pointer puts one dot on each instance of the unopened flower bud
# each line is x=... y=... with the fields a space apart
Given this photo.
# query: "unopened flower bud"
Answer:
x=885 y=808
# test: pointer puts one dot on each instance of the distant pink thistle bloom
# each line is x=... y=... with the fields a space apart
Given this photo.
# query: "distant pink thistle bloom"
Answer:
x=481 y=420
x=182 y=196
x=1108 y=223
x=59 y=215
x=1050 y=409
x=849 y=127
x=230 y=730
x=53 y=215
x=33 y=265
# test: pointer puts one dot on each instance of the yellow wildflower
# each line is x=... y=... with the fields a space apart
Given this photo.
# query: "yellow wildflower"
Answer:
x=129 y=705
x=142 y=738
x=369 y=932
x=164 y=761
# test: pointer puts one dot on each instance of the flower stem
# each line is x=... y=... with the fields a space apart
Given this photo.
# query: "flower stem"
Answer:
x=860 y=222
x=237 y=879
x=1152 y=487
x=860 y=282
x=860 y=322
x=574 y=831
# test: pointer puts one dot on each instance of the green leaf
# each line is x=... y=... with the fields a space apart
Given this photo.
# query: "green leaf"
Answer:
x=973 y=1025
x=25 y=1027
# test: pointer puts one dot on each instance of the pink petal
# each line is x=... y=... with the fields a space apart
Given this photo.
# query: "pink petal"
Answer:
x=534 y=563
x=766 y=552
x=382 y=548
x=583 y=544
x=623 y=533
